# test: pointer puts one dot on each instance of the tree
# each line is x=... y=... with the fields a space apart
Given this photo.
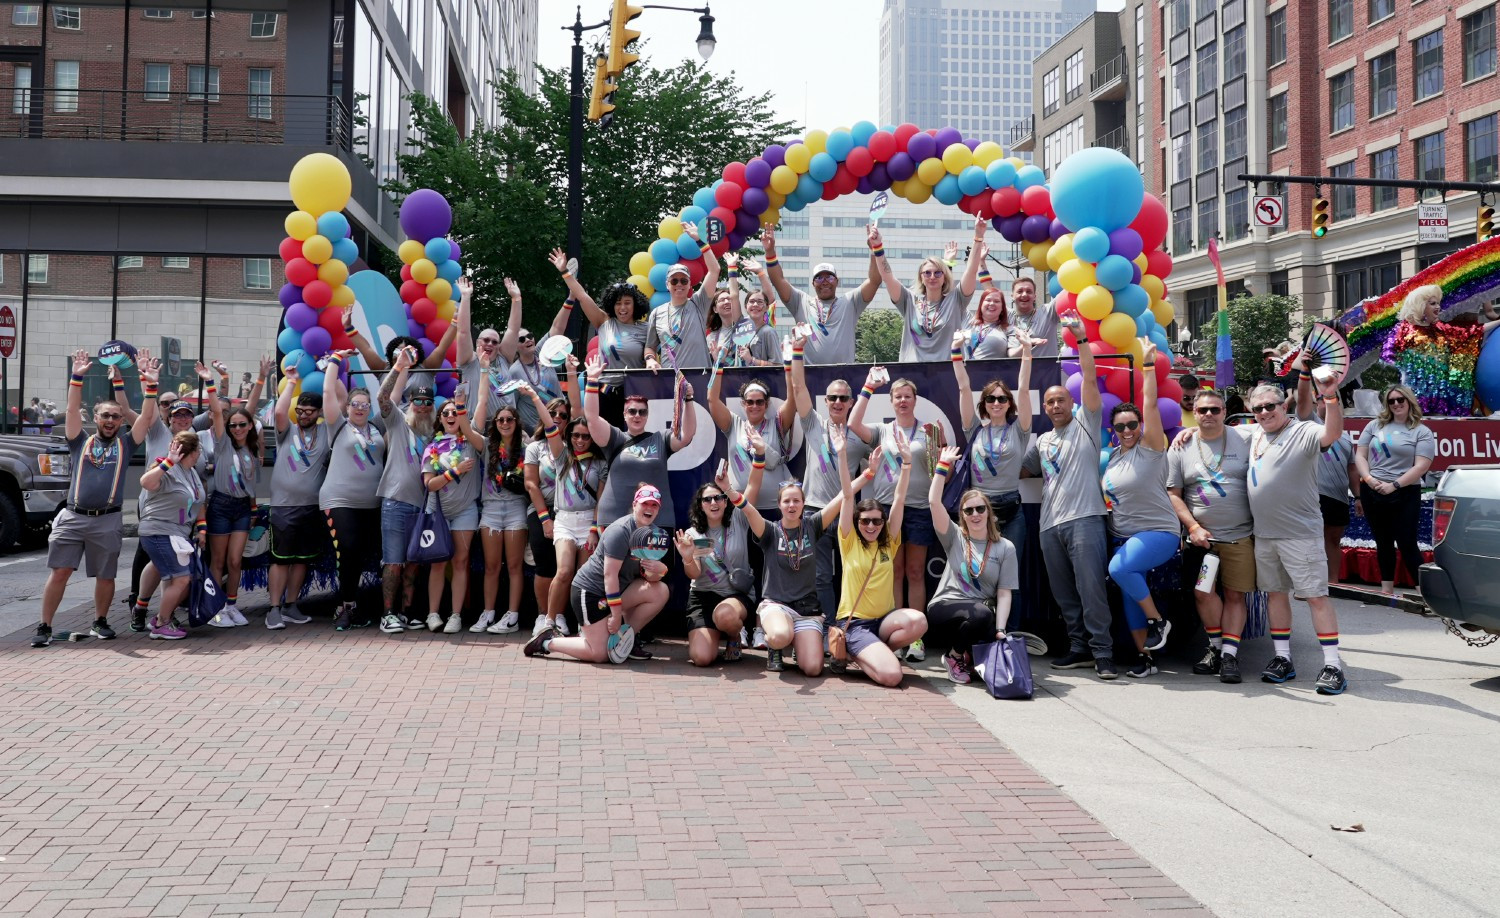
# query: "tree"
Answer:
x=877 y=336
x=674 y=131
x=1256 y=322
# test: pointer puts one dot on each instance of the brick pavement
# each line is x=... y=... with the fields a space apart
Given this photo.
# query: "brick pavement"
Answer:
x=310 y=772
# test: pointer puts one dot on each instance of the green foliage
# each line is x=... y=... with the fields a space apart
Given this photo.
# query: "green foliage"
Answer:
x=877 y=336
x=674 y=131
x=1256 y=322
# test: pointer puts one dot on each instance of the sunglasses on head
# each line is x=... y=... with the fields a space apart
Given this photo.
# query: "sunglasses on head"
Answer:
x=997 y=399
x=975 y=510
x=677 y=281
x=872 y=521
x=1396 y=400
x=637 y=412
x=1262 y=409
x=1209 y=409
x=839 y=398
x=1122 y=426
x=713 y=498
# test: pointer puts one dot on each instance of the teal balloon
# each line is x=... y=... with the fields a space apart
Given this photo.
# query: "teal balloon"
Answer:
x=449 y=270
x=947 y=190
x=457 y=295
x=793 y=203
x=1000 y=174
x=1114 y=272
x=1096 y=186
x=1132 y=299
x=1090 y=243
x=687 y=247
x=1027 y=176
x=839 y=145
x=972 y=180
x=313 y=382
x=1104 y=455
x=809 y=189
x=823 y=167
x=664 y=251
x=288 y=341
x=659 y=297
x=692 y=214
x=1144 y=323
x=347 y=251
x=1054 y=286
x=1159 y=338
x=439 y=250
x=862 y=132
x=334 y=225
x=657 y=277
x=703 y=199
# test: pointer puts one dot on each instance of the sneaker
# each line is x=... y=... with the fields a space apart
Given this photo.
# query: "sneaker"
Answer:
x=562 y=625
x=102 y=630
x=536 y=646
x=485 y=620
x=434 y=621
x=915 y=653
x=454 y=624
x=744 y=637
x=1331 y=681
x=1104 y=667
x=542 y=624
x=43 y=635
x=1279 y=670
x=1229 y=669
x=293 y=615
x=341 y=616
x=392 y=624
x=958 y=671
x=167 y=632
x=639 y=652
x=235 y=615
x=1074 y=659
x=137 y=619
x=621 y=643
x=273 y=620
x=774 y=663
x=837 y=667
x=509 y=623
x=221 y=621
x=413 y=624
x=1209 y=665
x=758 y=642
x=1157 y=630
x=1143 y=666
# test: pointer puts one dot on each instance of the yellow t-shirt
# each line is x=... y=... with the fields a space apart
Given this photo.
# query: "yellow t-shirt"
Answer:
x=859 y=558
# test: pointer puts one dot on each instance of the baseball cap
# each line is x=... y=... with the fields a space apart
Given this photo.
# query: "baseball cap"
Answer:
x=179 y=405
x=824 y=268
x=679 y=268
x=419 y=392
x=647 y=492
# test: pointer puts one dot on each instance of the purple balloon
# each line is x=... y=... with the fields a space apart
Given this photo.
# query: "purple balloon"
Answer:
x=1135 y=273
x=775 y=155
x=755 y=201
x=425 y=215
x=747 y=223
x=290 y=294
x=1125 y=242
x=317 y=341
x=880 y=176
x=301 y=317
x=863 y=186
x=1074 y=386
x=415 y=328
x=427 y=346
x=1070 y=367
x=1009 y=227
x=947 y=137
x=920 y=147
x=1035 y=228
x=1171 y=413
x=1057 y=230
x=1107 y=403
x=455 y=252
x=736 y=240
x=757 y=173
x=901 y=167
x=972 y=145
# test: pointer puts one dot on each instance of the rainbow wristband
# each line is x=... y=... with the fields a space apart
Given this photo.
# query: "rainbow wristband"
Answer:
x=739 y=501
x=772 y=261
x=117 y=384
x=211 y=388
x=704 y=248
x=569 y=303
x=758 y=462
x=594 y=529
x=866 y=391
x=166 y=465
x=734 y=272
x=593 y=387
x=76 y=380
x=943 y=469
x=551 y=431
x=985 y=278
x=957 y=354
x=543 y=515
x=149 y=388
x=350 y=330
x=614 y=600
x=878 y=251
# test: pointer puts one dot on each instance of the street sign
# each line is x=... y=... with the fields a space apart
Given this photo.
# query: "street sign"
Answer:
x=1270 y=210
x=1432 y=222
x=172 y=349
x=7 y=332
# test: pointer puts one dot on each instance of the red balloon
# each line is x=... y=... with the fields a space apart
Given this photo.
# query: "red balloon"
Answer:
x=423 y=311
x=1163 y=366
x=290 y=249
x=332 y=320
x=1006 y=202
x=342 y=342
x=405 y=273
x=1166 y=291
x=697 y=269
x=729 y=195
x=411 y=291
x=317 y=294
x=845 y=180
x=1118 y=383
x=967 y=203
x=1158 y=262
x=301 y=272
x=1168 y=390
x=1151 y=222
x=436 y=329
x=718 y=248
x=734 y=174
x=452 y=354
x=882 y=145
x=831 y=189
x=724 y=215
x=904 y=133
x=860 y=161
x=1036 y=200
x=1065 y=303
x=985 y=210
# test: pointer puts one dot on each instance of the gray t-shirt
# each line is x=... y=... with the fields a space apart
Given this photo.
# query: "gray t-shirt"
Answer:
x=236 y=470
x=401 y=478
x=1068 y=461
x=99 y=470
x=174 y=506
x=833 y=323
x=681 y=329
x=158 y=440
x=987 y=342
x=623 y=347
x=976 y=570
x=301 y=463
x=1042 y=323
x=888 y=436
x=1283 y=480
x=354 y=468
x=790 y=572
x=820 y=471
x=539 y=454
x=995 y=455
x=1395 y=448
x=632 y=462
x=614 y=542
x=578 y=485
x=740 y=456
x=927 y=334
x=445 y=452
x=1333 y=469
x=727 y=570
x=1211 y=474
x=494 y=471
x=1135 y=486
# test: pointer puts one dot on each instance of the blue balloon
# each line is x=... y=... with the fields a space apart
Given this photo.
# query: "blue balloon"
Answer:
x=793 y=203
x=1000 y=174
x=307 y=364
x=457 y=295
x=1026 y=176
x=1144 y=323
x=839 y=144
x=1159 y=338
x=1487 y=373
x=809 y=189
x=347 y=251
x=334 y=225
x=664 y=251
x=972 y=180
x=687 y=247
x=862 y=131
x=657 y=277
x=1054 y=286
x=1098 y=187
x=659 y=297
x=822 y=167
x=1091 y=244
x=947 y=190
x=1114 y=272
x=438 y=250
x=1104 y=455
x=289 y=340
x=692 y=214
x=703 y=199
x=293 y=357
x=449 y=270
x=1131 y=299
x=313 y=382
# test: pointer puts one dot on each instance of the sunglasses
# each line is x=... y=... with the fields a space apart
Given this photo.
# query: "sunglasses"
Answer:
x=359 y=406
x=1396 y=400
x=872 y=521
x=448 y=414
x=526 y=339
x=1209 y=409
x=637 y=412
x=713 y=498
x=1122 y=426
x=238 y=426
x=111 y=416
x=677 y=281
x=932 y=274
x=839 y=398
x=489 y=340
x=824 y=279
x=505 y=420
x=975 y=510
x=752 y=402
x=308 y=409
x=997 y=399
x=1263 y=409
x=583 y=436
x=558 y=414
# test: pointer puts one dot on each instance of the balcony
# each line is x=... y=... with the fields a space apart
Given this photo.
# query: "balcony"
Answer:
x=1023 y=134
x=175 y=117
x=1117 y=139
x=1108 y=82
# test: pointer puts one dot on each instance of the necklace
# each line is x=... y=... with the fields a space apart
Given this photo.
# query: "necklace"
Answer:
x=973 y=570
x=822 y=314
x=302 y=447
x=990 y=454
x=363 y=446
x=1206 y=454
x=100 y=451
x=791 y=552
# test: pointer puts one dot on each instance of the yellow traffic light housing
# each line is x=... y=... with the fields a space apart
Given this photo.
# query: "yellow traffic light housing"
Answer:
x=620 y=36
x=1320 y=216
x=602 y=103
x=1484 y=222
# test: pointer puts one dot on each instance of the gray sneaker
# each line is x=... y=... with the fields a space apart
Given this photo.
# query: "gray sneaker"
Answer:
x=294 y=615
x=274 y=620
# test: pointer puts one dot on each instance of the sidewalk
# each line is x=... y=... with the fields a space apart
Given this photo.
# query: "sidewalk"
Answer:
x=319 y=773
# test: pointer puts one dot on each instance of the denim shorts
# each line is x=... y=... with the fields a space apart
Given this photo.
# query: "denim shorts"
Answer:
x=465 y=520
x=862 y=633
x=228 y=514
x=503 y=513
x=159 y=549
x=396 y=520
x=916 y=525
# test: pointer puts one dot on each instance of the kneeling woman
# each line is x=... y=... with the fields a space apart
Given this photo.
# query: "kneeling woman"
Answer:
x=615 y=593
x=171 y=506
x=973 y=596
x=873 y=630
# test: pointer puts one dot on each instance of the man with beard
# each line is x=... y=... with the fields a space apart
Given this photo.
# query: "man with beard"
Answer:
x=89 y=527
x=299 y=533
x=1039 y=321
x=401 y=490
x=831 y=315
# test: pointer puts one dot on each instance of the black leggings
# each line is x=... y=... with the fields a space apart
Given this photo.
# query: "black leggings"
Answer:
x=1393 y=520
x=356 y=545
x=543 y=551
x=136 y=567
x=969 y=621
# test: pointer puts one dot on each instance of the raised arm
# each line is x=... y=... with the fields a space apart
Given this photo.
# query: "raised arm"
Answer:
x=510 y=342
x=439 y=353
x=898 y=500
x=877 y=251
x=335 y=394
x=1151 y=432
x=773 y=267
x=258 y=388
x=1333 y=412
x=683 y=436
x=873 y=382
x=757 y=466
x=284 y=400
x=152 y=478
x=961 y=376
x=716 y=407
x=741 y=502
x=463 y=318
x=216 y=410
x=599 y=428
x=710 y=260
x=798 y=379
x=1023 y=388
x=394 y=379
x=940 y=519
x=591 y=310
x=977 y=251
x=374 y=360
x=150 y=368
x=1092 y=400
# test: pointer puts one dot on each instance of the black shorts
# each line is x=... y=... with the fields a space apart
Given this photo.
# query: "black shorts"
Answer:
x=701 y=605
x=299 y=535
x=588 y=607
x=543 y=552
x=1335 y=512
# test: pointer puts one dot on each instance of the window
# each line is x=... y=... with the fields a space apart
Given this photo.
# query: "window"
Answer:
x=1073 y=72
x=65 y=86
x=1235 y=144
x=1276 y=121
x=1481 y=155
x=260 y=93
x=196 y=90
x=1205 y=7
x=1343 y=195
x=1234 y=53
x=1341 y=100
x=158 y=82
x=1479 y=44
x=338 y=31
x=130 y=261
x=1383 y=84
x=1182 y=155
x=1208 y=220
x=21 y=105
x=204 y=14
x=176 y=262
x=1182 y=15
x=257 y=274
x=1429 y=158
x=1281 y=283
x=1340 y=20
x=1383 y=166
x=1182 y=230
x=1181 y=82
x=67 y=17
x=1379 y=9
x=263 y=25
x=1236 y=214
x=26 y=14
x=1276 y=38
x=158 y=14
x=1208 y=67
x=1049 y=92
x=36 y=269
x=1208 y=146
x=1427 y=64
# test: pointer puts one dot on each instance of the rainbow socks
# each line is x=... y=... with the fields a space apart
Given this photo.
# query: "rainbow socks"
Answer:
x=1330 y=644
x=1231 y=644
x=1215 y=638
x=1282 y=638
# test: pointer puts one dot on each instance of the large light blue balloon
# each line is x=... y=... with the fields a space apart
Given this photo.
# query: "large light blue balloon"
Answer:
x=449 y=270
x=823 y=167
x=1026 y=176
x=657 y=277
x=1098 y=187
x=1091 y=243
x=313 y=382
x=347 y=251
x=1114 y=272
x=839 y=144
x=692 y=214
x=664 y=251
x=861 y=132
x=1132 y=299
x=947 y=190
x=687 y=247
x=1001 y=174
x=703 y=199
x=972 y=180
x=1159 y=338
x=289 y=340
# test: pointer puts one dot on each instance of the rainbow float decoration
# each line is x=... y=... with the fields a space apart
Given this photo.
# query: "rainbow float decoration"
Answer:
x=317 y=252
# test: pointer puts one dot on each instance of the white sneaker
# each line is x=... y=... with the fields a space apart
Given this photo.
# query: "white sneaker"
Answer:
x=221 y=621
x=454 y=625
x=234 y=615
x=509 y=623
x=916 y=653
x=561 y=624
x=542 y=624
x=434 y=621
x=485 y=620
x=759 y=641
x=744 y=638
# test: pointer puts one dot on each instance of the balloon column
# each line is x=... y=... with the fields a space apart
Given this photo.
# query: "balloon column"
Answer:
x=429 y=272
x=317 y=252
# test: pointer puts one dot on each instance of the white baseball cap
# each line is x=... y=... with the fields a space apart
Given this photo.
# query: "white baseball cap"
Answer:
x=824 y=268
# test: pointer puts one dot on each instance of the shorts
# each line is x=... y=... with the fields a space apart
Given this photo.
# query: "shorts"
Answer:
x=862 y=633
x=465 y=520
x=916 y=526
x=572 y=526
x=504 y=513
x=1297 y=566
x=93 y=540
x=1236 y=563
x=588 y=607
x=228 y=514
x=299 y=535
x=396 y=520
x=543 y=552
x=701 y=605
x=159 y=549
x=805 y=613
x=1335 y=511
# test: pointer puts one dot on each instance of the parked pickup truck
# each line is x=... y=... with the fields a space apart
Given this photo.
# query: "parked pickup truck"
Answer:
x=1463 y=581
x=33 y=483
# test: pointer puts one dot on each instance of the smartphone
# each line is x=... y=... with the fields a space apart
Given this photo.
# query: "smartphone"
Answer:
x=723 y=468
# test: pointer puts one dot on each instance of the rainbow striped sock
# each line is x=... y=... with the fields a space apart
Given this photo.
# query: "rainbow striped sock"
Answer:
x=1215 y=637
x=1330 y=642
x=1231 y=644
x=1282 y=639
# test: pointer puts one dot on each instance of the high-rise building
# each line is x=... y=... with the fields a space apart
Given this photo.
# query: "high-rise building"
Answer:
x=146 y=149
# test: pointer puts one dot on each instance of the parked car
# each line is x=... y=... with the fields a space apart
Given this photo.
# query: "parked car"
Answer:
x=33 y=483
x=1463 y=581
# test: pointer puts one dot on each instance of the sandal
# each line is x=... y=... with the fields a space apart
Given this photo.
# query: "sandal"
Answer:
x=733 y=650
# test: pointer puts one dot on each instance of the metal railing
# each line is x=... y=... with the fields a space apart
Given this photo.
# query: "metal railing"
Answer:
x=1117 y=139
x=179 y=117
x=1113 y=69
x=1022 y=129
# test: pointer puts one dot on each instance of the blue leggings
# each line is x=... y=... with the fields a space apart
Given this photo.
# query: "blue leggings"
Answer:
x=1140 y=553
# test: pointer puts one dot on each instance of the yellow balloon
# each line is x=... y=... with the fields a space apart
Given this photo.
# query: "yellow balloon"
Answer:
x=1095 y=302
x=1059 y=254
x=410 y=251
x=816 y=141
x=300 y=224
x=1016 y=161
x=986 y=153
x=319 y=183
x=1133 y=349
x=957 y=158
x=333 y=272
x=798 y=157
x=930 y=171
x=423 y=271
x=670 y=228
x=640 y=283
x=1039 y=254
x=317 y=249
x=1118 y=329
x=899 y=187
x=771 y=217
x=784 y=179
x=1026 y=245
x=1153 y=285
x=917 y=193
x=446 y=311
x=641 y=262
x=1164 y=312
x=1141 y=262
x=286 y=381
x=342 y=296
x=1074 y=276
x=440 y=291
x=777 y=200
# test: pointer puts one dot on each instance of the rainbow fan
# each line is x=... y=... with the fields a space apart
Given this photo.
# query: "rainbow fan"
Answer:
x=1325 y=347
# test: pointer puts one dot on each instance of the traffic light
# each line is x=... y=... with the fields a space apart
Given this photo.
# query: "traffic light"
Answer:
x=1484 y=222
x=620 y=36
x=602 y=104
x=1320 y=216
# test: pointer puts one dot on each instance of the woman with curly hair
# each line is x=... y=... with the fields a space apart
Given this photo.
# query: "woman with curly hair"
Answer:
x=715 y=555
x=620 y=321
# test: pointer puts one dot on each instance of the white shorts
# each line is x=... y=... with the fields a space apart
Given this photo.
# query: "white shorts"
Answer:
x=800 y=622
x=1298 y=566
x=572 y=526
